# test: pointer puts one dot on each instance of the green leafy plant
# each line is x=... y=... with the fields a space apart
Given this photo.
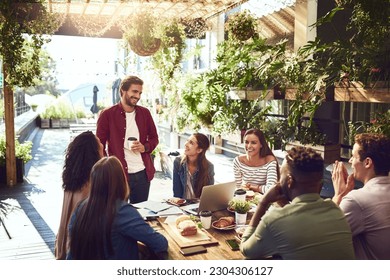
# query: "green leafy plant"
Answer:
x=379 y=123
x=1 y=108
x=142 y=34
x=20 y=53
x=194 y=28
x=166 y=61
x=240 y=206
x=200 y=99
x=34 y=107
x=22 y=150
x=241 y=25
x=156 y=150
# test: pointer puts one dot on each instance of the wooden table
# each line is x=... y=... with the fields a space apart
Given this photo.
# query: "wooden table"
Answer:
x=221 y=251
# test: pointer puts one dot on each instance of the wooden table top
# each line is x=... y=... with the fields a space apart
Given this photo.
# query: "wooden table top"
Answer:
x=220 y=251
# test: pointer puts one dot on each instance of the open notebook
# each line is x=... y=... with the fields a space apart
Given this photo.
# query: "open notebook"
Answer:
x=213 y=198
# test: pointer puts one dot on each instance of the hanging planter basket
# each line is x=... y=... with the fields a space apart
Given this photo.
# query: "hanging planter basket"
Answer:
x=241 y=26
x=195 y=28
x=141 y=34
x=138 y=46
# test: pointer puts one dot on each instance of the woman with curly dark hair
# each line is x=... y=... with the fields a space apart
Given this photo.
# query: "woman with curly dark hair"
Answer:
x=192 y=171
x=80 y=156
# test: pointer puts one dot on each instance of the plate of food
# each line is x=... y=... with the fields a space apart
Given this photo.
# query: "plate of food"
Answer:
x=240 y=231
x=176 y=201
x=231 y=209
x=249 y=195
x=224 y=223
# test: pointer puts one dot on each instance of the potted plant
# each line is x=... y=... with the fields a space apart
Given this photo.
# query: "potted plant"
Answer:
x=34 y=107
x=252 y=68
x=195 y=28
x=22 y=154
x=241 y=209
x=166 y=61
x=172 y=33
x=141 y=34
x=241 y=25
x=45 y=118
x=155 y=152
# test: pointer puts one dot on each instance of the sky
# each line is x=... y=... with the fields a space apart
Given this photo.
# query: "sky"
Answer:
x=83 y=59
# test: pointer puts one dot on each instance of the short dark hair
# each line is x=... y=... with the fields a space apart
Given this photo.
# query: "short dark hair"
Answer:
x=377 y=147
x=128 y=81
x=303 y=160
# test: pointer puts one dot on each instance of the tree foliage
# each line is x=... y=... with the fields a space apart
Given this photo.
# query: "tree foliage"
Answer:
x=18 y=21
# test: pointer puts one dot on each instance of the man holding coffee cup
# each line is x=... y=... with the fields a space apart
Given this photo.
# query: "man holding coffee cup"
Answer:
x=130 y=134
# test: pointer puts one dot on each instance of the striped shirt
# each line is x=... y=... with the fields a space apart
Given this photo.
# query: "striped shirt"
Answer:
x=264 y=176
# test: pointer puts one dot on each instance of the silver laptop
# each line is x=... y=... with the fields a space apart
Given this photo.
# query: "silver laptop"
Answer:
x=213 y=198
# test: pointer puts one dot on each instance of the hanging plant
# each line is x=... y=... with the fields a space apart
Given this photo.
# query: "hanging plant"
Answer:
x=141 y=34
x=92 y=25
x=241 y=26
x=20 y=53
x=195 y=28
x=167 y=60
x=173 y=33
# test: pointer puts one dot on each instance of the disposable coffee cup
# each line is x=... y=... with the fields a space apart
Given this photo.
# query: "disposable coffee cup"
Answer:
x=205 y=219
x=240 y=194
x=130 y=141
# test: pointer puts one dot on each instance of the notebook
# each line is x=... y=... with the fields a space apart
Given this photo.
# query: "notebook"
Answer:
x=213 y=198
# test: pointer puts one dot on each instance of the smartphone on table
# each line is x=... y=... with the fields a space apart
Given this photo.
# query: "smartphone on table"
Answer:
x=233 y=244
x=193 y=250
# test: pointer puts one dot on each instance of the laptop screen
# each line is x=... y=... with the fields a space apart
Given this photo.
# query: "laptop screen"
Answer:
x=213 y=198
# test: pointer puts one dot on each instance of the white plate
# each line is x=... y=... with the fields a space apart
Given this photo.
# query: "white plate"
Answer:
x=233 y=226
x=177 y=204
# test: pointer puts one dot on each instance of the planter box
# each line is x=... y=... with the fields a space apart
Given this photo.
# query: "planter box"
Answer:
x=64 y=123
x=19 y=172
x=329 y=153
x=355 y=92
x=250 y=94
x=45 y=123
x=55 y=123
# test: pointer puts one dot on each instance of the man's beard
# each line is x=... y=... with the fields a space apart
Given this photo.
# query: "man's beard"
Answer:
x=285 y=190
x=129 y=102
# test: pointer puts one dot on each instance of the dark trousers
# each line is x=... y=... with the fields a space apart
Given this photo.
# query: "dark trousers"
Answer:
x=139 y=186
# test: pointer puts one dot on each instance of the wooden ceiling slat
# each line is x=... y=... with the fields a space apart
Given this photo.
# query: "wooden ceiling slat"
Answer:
x=169 y=8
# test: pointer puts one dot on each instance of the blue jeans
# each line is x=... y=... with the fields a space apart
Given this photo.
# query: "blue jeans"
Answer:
x=139 y=186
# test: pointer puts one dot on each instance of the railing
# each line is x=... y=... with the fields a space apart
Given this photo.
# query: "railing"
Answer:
x=21 y=109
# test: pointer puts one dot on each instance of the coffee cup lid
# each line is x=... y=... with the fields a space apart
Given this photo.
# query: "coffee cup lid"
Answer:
x=240 y=192
x=205 y=213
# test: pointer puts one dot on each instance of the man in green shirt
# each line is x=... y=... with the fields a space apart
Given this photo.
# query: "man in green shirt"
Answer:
x=307 y=226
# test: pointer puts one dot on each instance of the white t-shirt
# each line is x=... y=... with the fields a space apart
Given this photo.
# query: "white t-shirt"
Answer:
x=133 y=159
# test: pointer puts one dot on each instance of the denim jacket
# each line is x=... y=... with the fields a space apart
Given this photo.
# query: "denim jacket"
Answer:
x=180 y=176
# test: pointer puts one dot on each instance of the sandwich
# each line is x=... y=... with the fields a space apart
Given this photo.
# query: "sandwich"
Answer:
x=176 y=200
x=186 y=226
x=224 y=222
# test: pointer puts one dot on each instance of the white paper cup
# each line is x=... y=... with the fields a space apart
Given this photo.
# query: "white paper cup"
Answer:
x=205 y=219
x=240 y=194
